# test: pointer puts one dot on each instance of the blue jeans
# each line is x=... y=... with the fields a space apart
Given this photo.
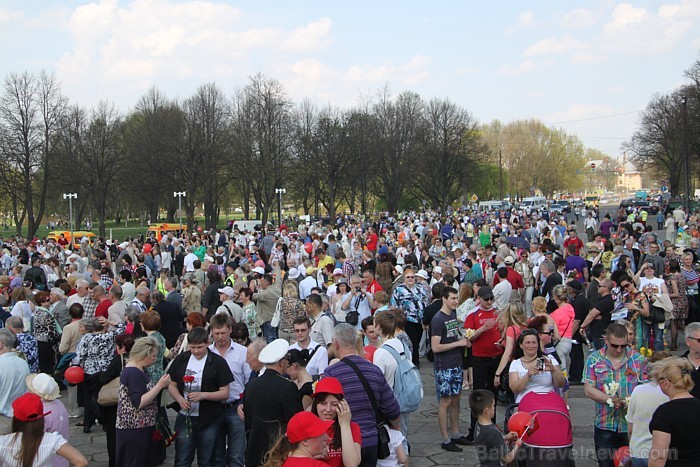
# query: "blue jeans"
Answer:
x=606 y=443
x=200 y=439
x=232 y=432
x=269 y=333
x=658 y=336
x=639 y=462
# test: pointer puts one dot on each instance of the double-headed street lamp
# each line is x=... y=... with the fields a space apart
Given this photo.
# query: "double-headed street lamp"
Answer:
x=279 y=192
x=70 y=197
x=179 y=195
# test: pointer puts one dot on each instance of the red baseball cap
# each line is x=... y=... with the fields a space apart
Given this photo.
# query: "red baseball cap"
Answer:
x=328 y=385
x=305 y=425
x=28 y=407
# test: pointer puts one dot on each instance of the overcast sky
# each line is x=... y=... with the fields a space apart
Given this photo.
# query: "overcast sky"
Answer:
x=586 y=66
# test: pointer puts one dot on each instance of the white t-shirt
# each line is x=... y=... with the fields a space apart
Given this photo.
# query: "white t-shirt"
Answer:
x=386 y=362
x=645 y=399
x=50 y=443
x=195 y=368
x=651 y=287
x=319 y=362
x=395 y=440
x=501 y=294
x=541 y=382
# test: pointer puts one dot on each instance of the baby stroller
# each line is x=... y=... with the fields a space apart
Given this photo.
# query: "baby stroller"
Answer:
x=551 y=444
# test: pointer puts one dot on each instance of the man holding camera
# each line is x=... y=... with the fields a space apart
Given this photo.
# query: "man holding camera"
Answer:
x=358 y=299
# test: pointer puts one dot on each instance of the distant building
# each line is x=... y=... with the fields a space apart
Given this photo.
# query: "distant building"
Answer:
x=630 y=179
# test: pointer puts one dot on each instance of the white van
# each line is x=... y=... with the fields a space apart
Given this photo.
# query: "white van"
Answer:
x=535 y=202
x=490 y=205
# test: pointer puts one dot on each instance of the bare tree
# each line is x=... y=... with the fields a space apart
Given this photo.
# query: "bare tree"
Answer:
x=264 y=135
x=31 y=110
x=399 y=123
x=450 y=148
x=658 y=143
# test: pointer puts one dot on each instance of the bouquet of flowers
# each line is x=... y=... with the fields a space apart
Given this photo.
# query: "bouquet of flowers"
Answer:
x=611 y=390
x=163 y=432
x=469 y=333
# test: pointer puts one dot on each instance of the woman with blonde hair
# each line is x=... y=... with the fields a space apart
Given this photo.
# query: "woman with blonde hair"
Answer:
x=511 y=322
x=136 y=404
x=671 y=425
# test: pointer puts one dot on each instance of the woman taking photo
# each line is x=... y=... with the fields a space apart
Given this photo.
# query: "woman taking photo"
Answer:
x=671 y=425
x=344 y=436
x=532 y=370
x=28 y=445
x=136 y=405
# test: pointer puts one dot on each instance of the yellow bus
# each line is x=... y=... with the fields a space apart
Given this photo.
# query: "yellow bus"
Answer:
x=157 y=230
x=592 y=200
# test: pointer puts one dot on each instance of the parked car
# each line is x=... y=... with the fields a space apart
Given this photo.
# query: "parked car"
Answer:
x=556 y=208
x=565 y=205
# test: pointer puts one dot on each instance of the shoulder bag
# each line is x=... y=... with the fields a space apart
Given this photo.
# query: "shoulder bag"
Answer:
x=383 y=450
x=109 y=393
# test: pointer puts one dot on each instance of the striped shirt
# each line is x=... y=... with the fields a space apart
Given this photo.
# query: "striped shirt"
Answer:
x=360 y=405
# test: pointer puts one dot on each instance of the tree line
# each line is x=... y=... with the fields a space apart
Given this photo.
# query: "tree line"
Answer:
x=396 y=152
x=669 y=130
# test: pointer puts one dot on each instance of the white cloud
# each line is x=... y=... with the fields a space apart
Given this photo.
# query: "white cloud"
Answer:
x=553 y=46
x=160 y=42
x=10 y=16
x=525 y=19
x=526 y=66
x=580 y=18
x=624 y=15
x=313 y=78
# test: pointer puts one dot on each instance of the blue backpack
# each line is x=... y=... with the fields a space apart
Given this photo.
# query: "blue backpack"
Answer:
x=408 y=386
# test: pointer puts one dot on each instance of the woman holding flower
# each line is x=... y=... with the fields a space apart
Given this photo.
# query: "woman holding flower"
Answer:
x=136 y=405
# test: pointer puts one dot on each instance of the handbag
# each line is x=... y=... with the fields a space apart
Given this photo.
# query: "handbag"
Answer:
x=656 y=314
x=109 y=393
x=275 y=322
x=383 y=450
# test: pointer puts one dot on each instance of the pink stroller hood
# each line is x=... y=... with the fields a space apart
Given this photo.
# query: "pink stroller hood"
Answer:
x=555 y=430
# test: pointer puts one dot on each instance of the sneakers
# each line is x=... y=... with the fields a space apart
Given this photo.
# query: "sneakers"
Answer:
x=463 y=440
x=451 y=446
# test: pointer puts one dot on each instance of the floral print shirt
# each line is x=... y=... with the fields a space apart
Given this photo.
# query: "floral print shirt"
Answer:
x=411 y=301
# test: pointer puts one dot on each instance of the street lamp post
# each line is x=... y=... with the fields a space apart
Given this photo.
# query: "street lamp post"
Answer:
x=279 y=192
x=179 y=195
x=70 y=197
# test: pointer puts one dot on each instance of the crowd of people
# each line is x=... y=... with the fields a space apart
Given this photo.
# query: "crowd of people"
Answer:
x=301 y=345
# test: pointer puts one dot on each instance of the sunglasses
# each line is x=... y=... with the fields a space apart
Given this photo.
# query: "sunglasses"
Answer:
x=488 y=299
x=620 y=346
x=529 y=332
x=626 y=286
x=548 y=333
x=696 y=339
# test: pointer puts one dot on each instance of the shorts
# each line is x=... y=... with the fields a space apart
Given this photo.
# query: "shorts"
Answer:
x=448 y=382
